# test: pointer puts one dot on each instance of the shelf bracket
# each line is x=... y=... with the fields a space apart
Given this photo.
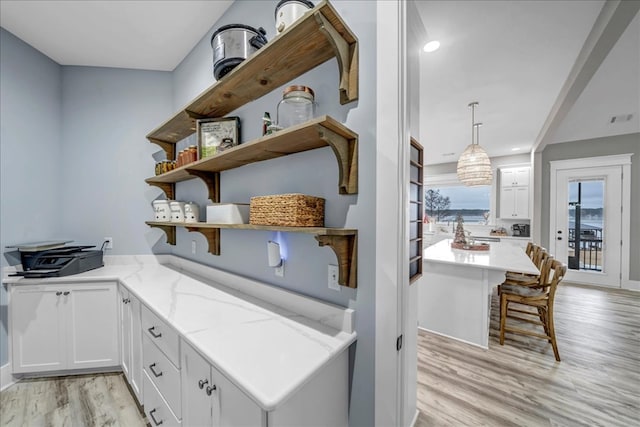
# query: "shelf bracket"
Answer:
x=347 y=56
x=212 y=235
x=169 y=148
x=346 y=152
x=211 y=180
x=169 y=230
x=346 y=250
x=168 y=188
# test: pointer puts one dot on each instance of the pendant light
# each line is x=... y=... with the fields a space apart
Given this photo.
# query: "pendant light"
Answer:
x=474 y=167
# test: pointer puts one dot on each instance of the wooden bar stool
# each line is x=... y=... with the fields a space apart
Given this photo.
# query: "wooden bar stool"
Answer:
x=539 y=295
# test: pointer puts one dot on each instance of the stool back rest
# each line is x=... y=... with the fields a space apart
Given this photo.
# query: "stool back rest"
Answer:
x=540 y=254
x=555 y=275
x=529 y=249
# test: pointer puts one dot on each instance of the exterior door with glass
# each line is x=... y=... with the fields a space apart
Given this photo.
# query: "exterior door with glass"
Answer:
x=587 y=233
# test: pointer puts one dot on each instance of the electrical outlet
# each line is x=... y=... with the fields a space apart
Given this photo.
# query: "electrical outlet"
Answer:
x=109 y=241
x=193 y=247
x=280 y=270
x=333 y=278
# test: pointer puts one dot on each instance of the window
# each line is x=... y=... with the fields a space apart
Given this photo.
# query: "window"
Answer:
x=444 y=202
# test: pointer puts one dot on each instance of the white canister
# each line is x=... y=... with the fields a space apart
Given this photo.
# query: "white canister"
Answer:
x=191 y=212
x=177 y=211
x=289 y=11
x=162 y=210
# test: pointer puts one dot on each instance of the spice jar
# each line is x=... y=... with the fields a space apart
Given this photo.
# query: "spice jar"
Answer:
x=297 y=106
x=193 y=153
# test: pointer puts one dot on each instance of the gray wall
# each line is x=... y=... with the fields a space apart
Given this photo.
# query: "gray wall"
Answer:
x=314 y=172
x=106 y=114
x=621 y=144
x=30 y=129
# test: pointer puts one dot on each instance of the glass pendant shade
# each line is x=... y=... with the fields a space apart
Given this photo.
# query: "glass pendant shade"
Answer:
x=474 y=166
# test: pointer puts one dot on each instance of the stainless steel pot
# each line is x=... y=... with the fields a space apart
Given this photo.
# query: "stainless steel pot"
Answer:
x=289 y=11
x=232 y=44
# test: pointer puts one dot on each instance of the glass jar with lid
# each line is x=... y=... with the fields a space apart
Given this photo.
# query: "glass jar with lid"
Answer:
x=297 y=106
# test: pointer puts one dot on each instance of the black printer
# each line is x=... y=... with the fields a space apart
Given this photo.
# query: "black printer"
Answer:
x=41 y=260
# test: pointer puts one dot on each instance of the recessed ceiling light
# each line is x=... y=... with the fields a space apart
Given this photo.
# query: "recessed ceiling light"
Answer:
x=431 y=46
x=515 y=149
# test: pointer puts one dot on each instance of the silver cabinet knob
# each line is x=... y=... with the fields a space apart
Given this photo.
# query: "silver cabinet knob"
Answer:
x=201 y=383
x=58 y=293
x=209 y=390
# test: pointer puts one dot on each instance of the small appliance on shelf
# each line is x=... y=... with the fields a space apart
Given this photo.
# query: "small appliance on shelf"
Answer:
x=520 y=230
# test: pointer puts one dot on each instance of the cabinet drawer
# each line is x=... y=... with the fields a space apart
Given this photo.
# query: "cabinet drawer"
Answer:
x=155 y=407
x=161 y=335
x=165 y=376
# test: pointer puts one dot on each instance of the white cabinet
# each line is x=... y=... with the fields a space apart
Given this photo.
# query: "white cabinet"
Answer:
x=38 y=335
x=514 y=193
x=55 y=327
x=209 y=399
x=514 y=203
x=131 y=340
x=161 y=366
x=513 y=177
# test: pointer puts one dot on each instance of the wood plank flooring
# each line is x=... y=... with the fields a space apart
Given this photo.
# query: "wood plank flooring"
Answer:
x=597 y=383
x=83 y=400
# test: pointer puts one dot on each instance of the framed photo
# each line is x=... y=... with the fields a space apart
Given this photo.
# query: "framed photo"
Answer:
x=217 y=134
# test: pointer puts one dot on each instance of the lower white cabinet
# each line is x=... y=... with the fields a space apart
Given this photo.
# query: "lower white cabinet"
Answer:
x=131 y=340
x=210 y=399
x=56 y=327
x=156 y=408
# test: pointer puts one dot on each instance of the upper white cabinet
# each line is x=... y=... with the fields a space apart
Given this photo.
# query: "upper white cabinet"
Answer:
x=58 y=327
x=514 y=193
x=511 y=177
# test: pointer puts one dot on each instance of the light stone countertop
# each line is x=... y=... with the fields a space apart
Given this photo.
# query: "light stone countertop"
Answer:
x=500 y=256
x=269 y=351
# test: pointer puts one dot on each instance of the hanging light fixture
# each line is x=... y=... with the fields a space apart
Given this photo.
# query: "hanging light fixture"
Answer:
x=474 y=167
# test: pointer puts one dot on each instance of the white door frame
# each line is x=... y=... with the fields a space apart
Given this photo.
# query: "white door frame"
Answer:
x=392 y=268
x=623 y=160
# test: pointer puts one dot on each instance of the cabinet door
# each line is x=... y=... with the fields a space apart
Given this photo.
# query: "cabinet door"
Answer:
x=521 y=202
x=521 y=176
x=507 y=201
x=93 y=326
x=125 y=332
x=507 y=177
x=196 y=377
x=37 y=329
x=135 y=378
x=231 y=407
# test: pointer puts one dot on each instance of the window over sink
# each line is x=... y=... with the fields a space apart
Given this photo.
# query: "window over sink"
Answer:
x=445 y=199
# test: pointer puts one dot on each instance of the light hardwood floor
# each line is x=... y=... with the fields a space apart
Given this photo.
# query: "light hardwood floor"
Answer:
x=597 y=383
x=84 y=400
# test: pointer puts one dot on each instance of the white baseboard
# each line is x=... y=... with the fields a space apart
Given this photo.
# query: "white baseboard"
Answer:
x=632 y=285
x=6 y=379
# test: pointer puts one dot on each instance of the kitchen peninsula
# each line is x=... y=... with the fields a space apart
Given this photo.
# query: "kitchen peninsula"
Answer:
x=454 y=296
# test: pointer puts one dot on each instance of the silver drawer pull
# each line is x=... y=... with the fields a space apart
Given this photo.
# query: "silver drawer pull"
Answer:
x=201 y=383
x=66 y=293
x=157 y=374
x=154 y=418
x=153 y=334
x=210 y=389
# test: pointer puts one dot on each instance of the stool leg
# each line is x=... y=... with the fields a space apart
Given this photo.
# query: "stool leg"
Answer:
x=552 y=334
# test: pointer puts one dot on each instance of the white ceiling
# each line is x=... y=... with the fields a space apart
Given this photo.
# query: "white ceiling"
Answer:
x=513 y=57
x=149 y=35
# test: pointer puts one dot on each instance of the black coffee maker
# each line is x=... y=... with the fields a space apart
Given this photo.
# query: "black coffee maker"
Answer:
x=520 y=230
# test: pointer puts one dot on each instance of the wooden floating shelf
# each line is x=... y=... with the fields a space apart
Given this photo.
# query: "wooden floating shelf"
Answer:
x=343 y=241
x=312 y=40
x=317 y=133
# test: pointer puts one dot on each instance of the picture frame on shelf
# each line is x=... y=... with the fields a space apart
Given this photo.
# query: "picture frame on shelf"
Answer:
x=216 y=135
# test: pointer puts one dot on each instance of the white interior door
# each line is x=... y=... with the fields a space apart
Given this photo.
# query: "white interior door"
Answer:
x=587 y=233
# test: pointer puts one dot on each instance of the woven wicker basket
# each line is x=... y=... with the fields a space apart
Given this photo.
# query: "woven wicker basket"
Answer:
x=288 y=210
